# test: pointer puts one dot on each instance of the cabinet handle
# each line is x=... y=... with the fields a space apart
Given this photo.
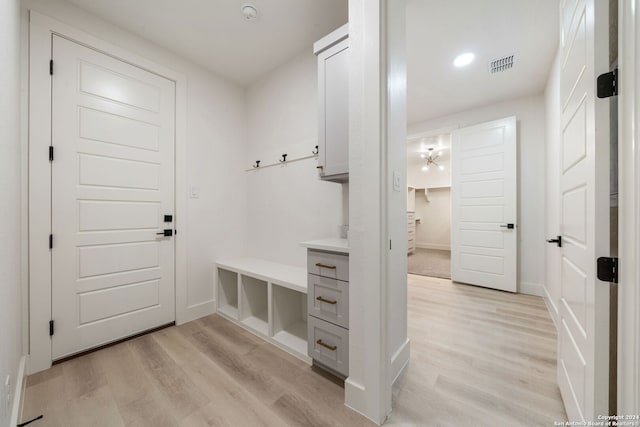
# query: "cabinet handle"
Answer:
x=319 y=167
x=330 y=347
x=319 y=264
x=326 y=300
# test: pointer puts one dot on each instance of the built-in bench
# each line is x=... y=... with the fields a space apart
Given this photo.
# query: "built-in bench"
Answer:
x=266 y=298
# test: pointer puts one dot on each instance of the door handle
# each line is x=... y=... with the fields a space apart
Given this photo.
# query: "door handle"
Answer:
x=167 y=232
x=509 y=226
x=557 y=240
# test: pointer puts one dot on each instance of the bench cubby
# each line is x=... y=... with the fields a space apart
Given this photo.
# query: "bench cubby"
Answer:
x=266 y=298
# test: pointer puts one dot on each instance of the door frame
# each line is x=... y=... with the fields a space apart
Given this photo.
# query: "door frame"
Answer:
x=41 y=30
x=629 y=208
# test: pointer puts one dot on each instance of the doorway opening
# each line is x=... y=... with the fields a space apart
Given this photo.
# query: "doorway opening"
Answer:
x=429 y=205
x=537 y=63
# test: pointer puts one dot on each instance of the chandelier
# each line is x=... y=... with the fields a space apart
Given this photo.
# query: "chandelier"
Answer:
x=431 y=159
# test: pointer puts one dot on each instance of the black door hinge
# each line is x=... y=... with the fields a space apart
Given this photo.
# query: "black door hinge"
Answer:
x=51 y=328
x=51 y=67
x=51 y=153
x=608 y=269
x=50 y=241
x=607 y=84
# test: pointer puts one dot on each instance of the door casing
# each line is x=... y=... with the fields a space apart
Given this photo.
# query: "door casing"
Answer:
x=41 y=29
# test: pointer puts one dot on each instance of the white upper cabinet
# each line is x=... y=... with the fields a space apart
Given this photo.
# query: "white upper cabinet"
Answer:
x=333 y=102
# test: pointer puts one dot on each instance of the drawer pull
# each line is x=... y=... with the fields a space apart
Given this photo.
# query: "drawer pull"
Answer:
x=330 y=347
x=326 y=300
x=319 y=264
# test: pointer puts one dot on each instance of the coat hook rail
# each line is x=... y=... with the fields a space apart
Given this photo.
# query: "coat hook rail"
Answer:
x=281 y=162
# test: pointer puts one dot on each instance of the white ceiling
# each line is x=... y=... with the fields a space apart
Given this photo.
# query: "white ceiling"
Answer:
x=215 y=34
x=439 y=30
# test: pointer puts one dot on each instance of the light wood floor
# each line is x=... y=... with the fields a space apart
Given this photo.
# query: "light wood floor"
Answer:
x=478 y=357
x=209 y=372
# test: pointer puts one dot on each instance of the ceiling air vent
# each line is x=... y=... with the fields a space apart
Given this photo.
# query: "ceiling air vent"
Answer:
x=501 y=64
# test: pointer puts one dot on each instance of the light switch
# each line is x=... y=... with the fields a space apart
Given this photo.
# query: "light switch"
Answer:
x=195 y=192
x=396 y=181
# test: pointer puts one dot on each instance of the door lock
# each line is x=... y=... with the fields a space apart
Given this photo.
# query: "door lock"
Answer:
x=509 y=226
x=557 y=240
x=167 y=232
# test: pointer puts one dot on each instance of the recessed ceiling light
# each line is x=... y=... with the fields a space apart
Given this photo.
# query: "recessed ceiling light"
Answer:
x=441 y=167
x=464 y=59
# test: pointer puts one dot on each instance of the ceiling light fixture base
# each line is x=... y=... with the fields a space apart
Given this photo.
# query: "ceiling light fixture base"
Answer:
x=249 y=11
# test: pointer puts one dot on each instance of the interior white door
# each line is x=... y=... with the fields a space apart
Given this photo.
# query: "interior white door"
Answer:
x=112 y=182
x=484 y=205
x=583 y=330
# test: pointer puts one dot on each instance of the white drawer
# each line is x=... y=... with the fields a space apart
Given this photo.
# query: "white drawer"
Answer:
x=328 y=344
x=328 y=299
x=334 y=266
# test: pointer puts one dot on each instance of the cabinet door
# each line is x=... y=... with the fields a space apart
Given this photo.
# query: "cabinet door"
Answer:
x=333 y=80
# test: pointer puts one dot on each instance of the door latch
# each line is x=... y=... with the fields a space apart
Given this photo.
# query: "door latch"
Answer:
x=509 y=226
x=608 y=269
x=167 y=232
x=557 y=240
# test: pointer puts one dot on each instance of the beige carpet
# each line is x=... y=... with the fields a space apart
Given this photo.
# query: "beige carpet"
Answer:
x=430 y=262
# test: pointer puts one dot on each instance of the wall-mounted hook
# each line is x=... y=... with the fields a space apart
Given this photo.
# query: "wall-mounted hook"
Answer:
x=316 y=151
x=283 y=159
x=257 y=165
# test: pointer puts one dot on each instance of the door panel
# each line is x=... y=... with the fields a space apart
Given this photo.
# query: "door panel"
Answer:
x=112 y=182
x=583 y=347
x=483 y=199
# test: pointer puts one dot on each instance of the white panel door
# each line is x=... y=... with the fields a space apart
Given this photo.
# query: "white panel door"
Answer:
x=484 y=234
x=583 y=330
x=112 y=184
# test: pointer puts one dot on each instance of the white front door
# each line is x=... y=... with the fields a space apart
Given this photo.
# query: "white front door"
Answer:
x=484 y=233
x=112 y=183
x=583 y=330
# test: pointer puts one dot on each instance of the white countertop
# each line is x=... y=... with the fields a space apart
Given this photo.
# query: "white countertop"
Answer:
x=331 y=245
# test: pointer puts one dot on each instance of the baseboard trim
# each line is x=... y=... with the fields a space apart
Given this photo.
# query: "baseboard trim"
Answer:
x=433 y=246
x=535 y=289
x=354 y=396
x=551 y=307
x=400 y=360
x=197 y=311
x=18 y=394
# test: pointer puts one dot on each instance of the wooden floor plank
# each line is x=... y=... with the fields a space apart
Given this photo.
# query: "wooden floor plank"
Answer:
x=479 y=357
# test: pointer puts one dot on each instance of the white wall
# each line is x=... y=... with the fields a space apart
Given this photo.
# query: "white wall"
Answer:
x=10 y=198
x=287 y=205
x=434 y=229
x=530 y=114
x=215 y=146
x=553 y=157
